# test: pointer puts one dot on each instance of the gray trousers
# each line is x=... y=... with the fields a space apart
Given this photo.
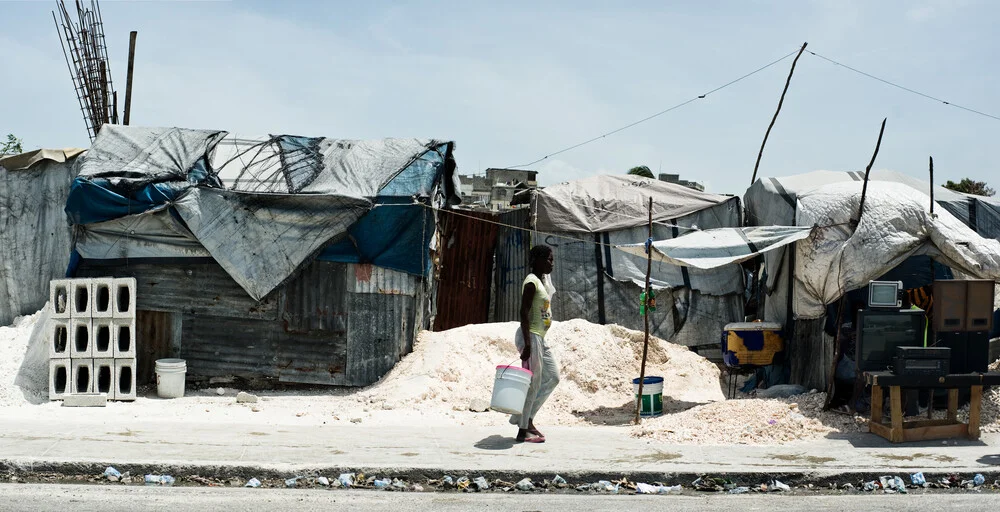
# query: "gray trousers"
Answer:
x=544 y=377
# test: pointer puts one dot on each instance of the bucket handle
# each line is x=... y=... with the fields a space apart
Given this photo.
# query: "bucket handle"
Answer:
x=508 y=366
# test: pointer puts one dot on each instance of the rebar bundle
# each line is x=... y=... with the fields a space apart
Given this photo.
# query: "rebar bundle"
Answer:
x=86 y=56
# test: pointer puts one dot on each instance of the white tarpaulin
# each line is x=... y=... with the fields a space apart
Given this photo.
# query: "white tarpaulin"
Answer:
x=609 y=203
x=895 y=225
x=714 y=248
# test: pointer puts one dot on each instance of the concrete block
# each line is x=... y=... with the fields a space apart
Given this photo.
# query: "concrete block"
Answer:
x=103 y=336
x=103 y=306
x=81 y=338
x=82 y=376
x=57 y=337
x=124 y=379
x=104 y=377
x=59 y=298
x=59 y=375
x=86 y=400
x=123 y=297
x=123 y=338
x=81 y=295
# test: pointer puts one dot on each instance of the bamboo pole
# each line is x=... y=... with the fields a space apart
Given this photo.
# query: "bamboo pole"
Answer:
x=775 y=118
x=128 y=79
x=645 y=304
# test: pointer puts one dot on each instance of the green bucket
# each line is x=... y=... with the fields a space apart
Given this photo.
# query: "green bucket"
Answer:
x=652 y=396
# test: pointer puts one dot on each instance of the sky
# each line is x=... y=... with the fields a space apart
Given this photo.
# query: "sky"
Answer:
x=511 y=82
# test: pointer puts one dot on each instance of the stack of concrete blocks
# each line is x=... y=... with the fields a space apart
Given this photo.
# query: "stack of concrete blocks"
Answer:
x=92 y=338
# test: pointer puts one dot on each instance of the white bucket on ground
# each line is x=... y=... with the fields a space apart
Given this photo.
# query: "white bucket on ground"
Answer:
x=170 y=375
x=510 y=388
x=652 y=395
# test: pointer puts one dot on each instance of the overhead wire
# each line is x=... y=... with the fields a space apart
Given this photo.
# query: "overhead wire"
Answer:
x=904 y=88
x=660 y=113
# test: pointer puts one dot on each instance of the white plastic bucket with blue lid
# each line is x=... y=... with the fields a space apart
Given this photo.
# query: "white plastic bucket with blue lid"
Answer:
x=652 y=395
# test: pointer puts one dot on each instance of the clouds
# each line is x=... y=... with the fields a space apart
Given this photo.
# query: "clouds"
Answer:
x=514 y=82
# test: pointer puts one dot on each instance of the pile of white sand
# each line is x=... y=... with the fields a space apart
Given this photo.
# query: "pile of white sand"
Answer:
x=597 y=364
x=13 y=346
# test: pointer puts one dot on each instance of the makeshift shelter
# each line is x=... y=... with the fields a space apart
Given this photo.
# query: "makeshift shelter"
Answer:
x=837 y=257
x=35 y=239
x=582 y=221
x=286 y=258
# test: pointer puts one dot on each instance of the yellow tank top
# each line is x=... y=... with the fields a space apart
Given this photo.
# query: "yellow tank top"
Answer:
x=541 y=307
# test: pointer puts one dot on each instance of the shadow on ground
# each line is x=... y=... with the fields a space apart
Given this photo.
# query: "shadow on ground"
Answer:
x=625 y=414
x=495 y=442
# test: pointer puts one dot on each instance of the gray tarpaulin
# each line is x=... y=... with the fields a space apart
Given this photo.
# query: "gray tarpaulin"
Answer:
x=714 y=248
x=609 y=203
x=260 y=207
x=35 y=238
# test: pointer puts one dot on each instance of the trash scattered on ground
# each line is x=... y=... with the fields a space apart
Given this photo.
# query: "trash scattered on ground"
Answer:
x=220 y=392
x=525 y=485
x=739 y=490
x=778 y=486
x=346 y=479
x=918 y=479
x=324 y=481
x=481 y=484
x=246 y=398
x=417 y=488
x=112 y=474
x=159 y=480
x=253 y=482
x=848 y=487
x=292 y=482
x=711 y=484
x=978 y=480
x=382 y=484
x=558 y=480
x=447 y=481
x=462 y=483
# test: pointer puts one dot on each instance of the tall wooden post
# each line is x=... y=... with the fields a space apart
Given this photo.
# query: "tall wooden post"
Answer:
x=128 y=80
x=645 y=304
x=775 y=118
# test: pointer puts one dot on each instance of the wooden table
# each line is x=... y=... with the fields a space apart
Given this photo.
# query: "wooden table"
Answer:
x=898 y=431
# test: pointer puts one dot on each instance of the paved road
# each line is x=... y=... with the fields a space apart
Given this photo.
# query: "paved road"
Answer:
x=80 y=498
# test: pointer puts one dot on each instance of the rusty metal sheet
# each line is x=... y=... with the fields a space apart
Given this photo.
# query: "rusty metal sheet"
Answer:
x=513 y=247
x=380 y=328
x=468 y=244
x=316 y=299
x=368 y=278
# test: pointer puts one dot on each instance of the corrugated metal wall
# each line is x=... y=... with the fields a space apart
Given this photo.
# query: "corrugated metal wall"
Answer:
x=466 y=268
x=513 y=246
x=303 y=332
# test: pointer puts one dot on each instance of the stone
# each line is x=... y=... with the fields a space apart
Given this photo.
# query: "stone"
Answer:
x=86 y=400
x=479 y=405
x=246 y=398
x=355 y=420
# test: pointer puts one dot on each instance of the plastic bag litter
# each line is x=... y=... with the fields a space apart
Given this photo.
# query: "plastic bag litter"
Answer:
x=871 y=486
x=778 y=486
x=897 y=483
x=253 y=482
x=292 y=482
x=323 y=481
x=524 y=485
x=739 y=490
x=481 y=484
x=346 y=479
x=382 y=484
x=447 y=481
x=112 y=473
x=558 y=480
x=605 y=485
x=159 y=480
x=463 y=483
x=918 y=479
x=978 y=480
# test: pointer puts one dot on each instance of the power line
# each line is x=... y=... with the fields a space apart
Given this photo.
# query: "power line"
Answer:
x=907 y=89
x=660 y=113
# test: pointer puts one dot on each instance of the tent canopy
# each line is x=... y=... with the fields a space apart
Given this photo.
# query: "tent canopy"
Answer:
x=714 y=248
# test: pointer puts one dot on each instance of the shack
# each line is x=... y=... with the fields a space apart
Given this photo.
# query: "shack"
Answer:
x=273 y=259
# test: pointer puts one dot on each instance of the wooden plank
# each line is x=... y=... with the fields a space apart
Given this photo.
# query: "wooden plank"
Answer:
x=938 y=432
x=877 y=403
x=953 y=404
x=880 y=430
x=975 y=402
x=928 y=423
x=896 y=413
x=153 y=340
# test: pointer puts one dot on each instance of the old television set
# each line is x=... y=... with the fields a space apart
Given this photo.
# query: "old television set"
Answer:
x=885 y=294
x=880 y=331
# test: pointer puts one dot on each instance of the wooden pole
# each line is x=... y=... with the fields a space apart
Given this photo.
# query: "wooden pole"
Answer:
x=128 y=79
x=775 y=118
x=932 y=184
x=868 y=170
x=645 y=343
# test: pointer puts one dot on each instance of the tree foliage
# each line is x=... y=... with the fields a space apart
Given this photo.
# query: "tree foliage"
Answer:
x=12 y=146
x=641 y=170
x=969 y=186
